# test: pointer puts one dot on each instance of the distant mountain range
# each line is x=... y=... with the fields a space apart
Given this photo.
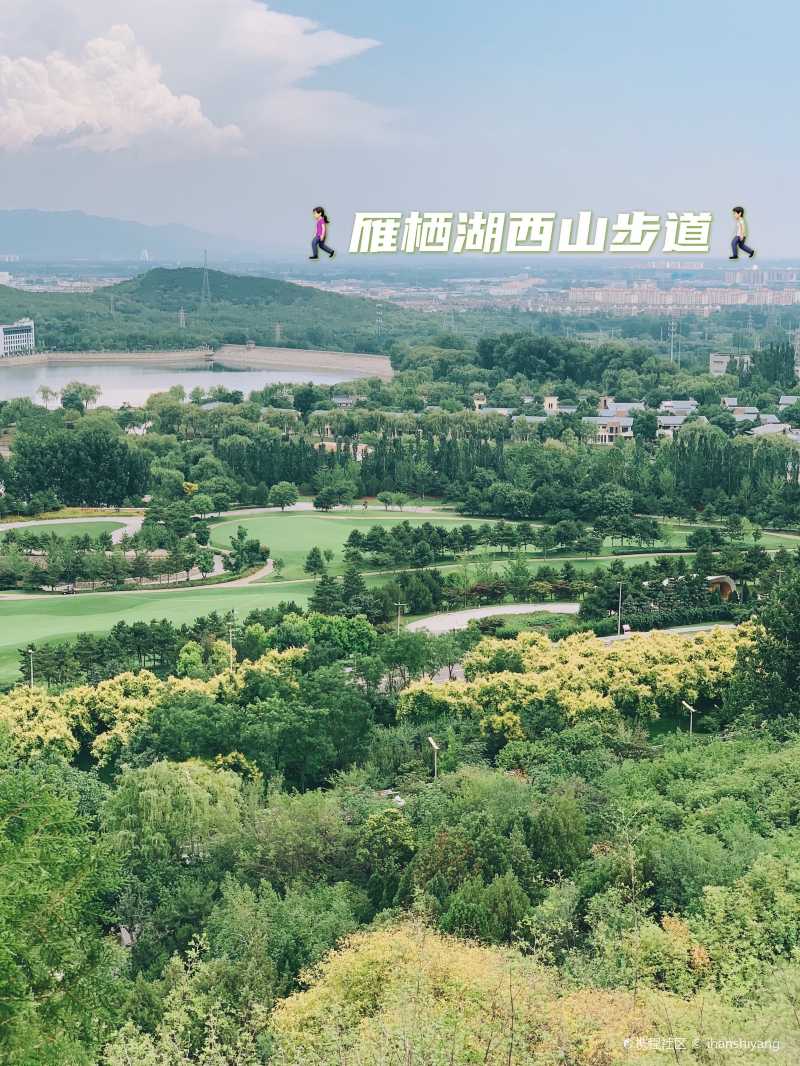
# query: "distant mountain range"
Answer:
x=62 y=235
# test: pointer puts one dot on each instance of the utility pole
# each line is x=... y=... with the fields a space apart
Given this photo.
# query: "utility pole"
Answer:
x=399 y=607
x=619 y=612
x=231 y=627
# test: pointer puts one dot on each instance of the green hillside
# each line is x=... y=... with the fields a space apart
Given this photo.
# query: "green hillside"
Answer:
x=142 y=314
x=167 y=289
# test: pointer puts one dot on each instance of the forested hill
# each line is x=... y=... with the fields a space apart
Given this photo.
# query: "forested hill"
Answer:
x=168 y=290
x=143 y=314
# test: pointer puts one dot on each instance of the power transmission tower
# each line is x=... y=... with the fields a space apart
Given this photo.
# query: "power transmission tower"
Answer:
x=278 y=332
x=205 y=292
x=181 y=319
x=113 y=307
x=379 y=322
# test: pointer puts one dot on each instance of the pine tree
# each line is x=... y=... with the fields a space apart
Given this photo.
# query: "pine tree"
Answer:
x=314 y=564
x=327 y=597
x=353 y=585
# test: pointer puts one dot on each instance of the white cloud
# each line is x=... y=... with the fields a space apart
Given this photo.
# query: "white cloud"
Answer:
x=316 y=116
x=245 y=62
x=109 y=98
x=294 y=47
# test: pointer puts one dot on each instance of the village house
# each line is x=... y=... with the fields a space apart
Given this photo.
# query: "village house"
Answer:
x=678 y=407
x=608 y=429
x=553 y=406
x=609 y=406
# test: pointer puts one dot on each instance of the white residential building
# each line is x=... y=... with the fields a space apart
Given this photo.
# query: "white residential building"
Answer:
x=608 y=429
x=17 y=338
x=718 y=364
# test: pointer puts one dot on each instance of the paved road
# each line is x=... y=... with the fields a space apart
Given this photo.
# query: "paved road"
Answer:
x=446 y=623
x=129 y=524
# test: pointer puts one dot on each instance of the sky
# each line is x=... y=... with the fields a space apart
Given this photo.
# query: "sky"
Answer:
x=237 y=116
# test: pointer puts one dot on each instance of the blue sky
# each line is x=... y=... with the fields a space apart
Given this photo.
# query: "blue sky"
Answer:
x=432 y=105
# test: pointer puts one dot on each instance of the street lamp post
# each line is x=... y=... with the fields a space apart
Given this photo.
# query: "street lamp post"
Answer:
x=435 y=747
x=30 y=654
x=692 y=712
x=619 y=611
x=399 y=609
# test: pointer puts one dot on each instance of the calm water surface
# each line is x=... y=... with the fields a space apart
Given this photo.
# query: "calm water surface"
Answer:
x=133 y=383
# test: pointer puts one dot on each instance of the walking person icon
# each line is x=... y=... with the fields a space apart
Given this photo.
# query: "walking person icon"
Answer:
x=740 y=237
x=321 y=234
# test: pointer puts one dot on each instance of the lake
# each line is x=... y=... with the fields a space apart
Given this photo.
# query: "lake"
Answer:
x=132 y=383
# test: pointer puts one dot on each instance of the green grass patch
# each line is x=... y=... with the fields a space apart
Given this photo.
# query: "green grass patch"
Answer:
x=511 y=625
x=293 y=534
x=52 y=618
x=66 y=530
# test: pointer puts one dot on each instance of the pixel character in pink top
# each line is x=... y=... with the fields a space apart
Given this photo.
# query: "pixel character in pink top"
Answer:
x=319 y=237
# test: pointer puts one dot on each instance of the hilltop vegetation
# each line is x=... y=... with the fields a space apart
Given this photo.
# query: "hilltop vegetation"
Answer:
x=169 y=290
x=144 y=316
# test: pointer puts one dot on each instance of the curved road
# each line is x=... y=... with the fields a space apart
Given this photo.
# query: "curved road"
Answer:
x=129 y=524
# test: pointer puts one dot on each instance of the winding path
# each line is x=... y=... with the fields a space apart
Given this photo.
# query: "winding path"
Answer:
x=129 y=524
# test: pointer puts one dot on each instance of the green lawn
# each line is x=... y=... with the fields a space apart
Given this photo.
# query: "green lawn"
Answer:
x=292 y=535
x=540 y=620
x=68 y=529
x=677 y=532
x=60 y=617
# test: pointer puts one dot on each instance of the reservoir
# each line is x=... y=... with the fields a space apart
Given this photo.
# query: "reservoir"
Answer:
x=132 y=382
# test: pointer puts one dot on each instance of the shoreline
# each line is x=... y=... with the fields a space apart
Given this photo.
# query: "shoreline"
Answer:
x=233 y=357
